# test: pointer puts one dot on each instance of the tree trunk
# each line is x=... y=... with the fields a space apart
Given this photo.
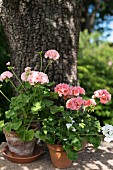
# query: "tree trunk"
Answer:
x=39 y=25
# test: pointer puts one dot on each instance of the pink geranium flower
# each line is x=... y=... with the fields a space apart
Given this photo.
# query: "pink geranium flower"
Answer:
x=52 y=54
x=24 y=75
x=37 y=77
x=6 y=75
x=44 y=78
x=74 y=103
x=103 y=94
x=104 y=99
x=77 y=90
x=27 y=69
x=89 y=102
x=62 y=89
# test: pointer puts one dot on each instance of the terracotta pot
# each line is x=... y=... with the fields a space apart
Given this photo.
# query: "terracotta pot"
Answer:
x=58 y=156
x=18 y=147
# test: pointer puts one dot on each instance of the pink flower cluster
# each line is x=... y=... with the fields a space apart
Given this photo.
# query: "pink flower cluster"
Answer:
x=89 y=102
x=34 y=76
x=103 y=95
x=67 y=92
x=62 y=89
x=52 y=54
x=76 y=90
x=74 y=103
x=6 y=75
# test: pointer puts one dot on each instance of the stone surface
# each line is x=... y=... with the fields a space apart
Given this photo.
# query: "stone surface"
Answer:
x=90 y=159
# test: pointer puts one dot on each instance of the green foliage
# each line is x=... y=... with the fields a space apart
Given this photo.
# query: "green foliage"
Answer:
x=27 y=107
x=95 y=70
x=83 y=127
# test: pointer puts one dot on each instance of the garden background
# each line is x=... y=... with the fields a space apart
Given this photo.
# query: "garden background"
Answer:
x=95 y=56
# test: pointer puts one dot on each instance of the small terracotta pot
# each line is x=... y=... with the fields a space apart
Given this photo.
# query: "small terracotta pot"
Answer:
x=58 y=156
x=18 y=147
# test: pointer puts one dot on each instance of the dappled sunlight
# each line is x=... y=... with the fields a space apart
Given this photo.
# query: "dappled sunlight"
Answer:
x=90 y=159
x=99 y=159
x=24 y=168
x=3 y=168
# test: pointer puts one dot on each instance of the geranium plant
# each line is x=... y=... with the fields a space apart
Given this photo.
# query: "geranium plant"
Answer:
x=32 y=101
x=75 y=125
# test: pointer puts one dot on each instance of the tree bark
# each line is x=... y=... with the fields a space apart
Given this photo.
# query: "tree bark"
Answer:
x=39 y=25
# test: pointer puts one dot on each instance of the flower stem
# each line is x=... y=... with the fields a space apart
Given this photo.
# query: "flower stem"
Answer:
x=40 y=53
x=50 y=62
x=5 y=96
x=18 y=79
x=92 y=134
x=12 y=84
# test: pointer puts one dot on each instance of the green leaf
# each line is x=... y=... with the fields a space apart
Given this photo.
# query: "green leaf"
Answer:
x=9 y=113
x=47 y=103
x=95 y=140
x=82 y=125
x=45 y=132
x=53 y=95
x=77 y=144
x=8 y=126
x=72 y=155
x=25 y=135
x=37 y=134
x=16 y=125
x=37 y=106
x=21 y=133
x=1 y=124
x=56 y=109
x=29 y=135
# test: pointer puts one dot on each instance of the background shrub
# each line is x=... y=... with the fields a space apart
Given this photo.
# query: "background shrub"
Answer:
x=95 y=70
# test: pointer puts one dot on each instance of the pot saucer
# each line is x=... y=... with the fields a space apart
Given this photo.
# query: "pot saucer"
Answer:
x=37 y=152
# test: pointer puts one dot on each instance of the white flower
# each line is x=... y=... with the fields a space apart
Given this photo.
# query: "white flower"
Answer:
x=8 y=63
x=64 y=139
x=108 y=138
x=68 y=125
x=73 y=129
x=107 y=129
x=72 y=119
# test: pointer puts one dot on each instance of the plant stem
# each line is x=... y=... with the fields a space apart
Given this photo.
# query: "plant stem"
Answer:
x=13 y=84
x=30 y=122
x=5 y=96
x=50 y=62
x=92 y=134
x=40 y=61
x=18 y=79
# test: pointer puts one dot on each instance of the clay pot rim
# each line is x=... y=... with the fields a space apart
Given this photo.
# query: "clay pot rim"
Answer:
x=55 y=147
x=10 y=133
x=14 y=134
x=55 y=144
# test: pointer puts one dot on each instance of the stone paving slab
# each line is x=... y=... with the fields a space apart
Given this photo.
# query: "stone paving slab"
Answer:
x=90 y=159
